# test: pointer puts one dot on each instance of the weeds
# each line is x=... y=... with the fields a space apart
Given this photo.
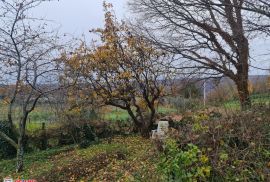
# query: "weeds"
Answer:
x=237 y=146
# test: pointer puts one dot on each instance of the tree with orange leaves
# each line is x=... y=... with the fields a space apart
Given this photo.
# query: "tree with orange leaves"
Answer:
x=124 y=71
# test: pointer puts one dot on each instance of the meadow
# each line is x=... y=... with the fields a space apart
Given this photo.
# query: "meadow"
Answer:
x=255 y=99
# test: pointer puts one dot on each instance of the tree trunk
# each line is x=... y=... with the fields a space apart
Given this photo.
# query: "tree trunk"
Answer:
x=147 y=125
x=144 y=128
x=243 y=92
x=143 y=125
x=21 y=143
x=145 y=131
x=20 y=154
x=242 y=69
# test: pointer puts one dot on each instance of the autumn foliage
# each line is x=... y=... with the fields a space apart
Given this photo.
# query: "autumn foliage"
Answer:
x=124 y=71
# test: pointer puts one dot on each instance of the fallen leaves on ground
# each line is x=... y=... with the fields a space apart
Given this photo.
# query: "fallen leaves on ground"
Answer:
x=123 y=159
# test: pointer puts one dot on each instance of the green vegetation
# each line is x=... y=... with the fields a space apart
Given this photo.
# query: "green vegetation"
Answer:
x=174 y=101
x=189 y=165
x=116 y=114
x=33 y=127
x=42 y=113
x=237 y=149
x=129 y=158
x=35 y=163
x=166 y=110
x=255 y=99
x=122 y=115
x=204 y=146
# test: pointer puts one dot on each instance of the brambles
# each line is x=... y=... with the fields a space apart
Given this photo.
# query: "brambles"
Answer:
x=237 y=148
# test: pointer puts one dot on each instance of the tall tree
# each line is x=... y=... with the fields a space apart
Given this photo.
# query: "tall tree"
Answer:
x=258 y=6
x=211 y=35
x=28 y=69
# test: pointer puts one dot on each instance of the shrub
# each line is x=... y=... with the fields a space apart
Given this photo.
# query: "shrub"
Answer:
x=64 y=133
x=88 y=136
x=237 y=145
x=184 y=165
x=76 y=132
x=88 y=133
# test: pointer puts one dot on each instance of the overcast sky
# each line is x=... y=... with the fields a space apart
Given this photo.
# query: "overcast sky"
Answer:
x=77 y=17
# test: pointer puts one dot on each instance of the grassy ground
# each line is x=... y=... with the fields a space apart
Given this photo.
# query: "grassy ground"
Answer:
x=255 y=99
x=234 y=147
x=42 y=113
x=123 y=159
x=118 y=114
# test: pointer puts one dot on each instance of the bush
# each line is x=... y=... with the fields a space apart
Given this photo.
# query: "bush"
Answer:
x=65 y=133
x=184 y=165
x=88 y=133
x=237 y=145
x=76 y=132
x=107 y=129
x=88 y=136
x=6 y=150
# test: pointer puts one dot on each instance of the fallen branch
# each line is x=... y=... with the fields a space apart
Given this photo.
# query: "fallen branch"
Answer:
x=8 y=139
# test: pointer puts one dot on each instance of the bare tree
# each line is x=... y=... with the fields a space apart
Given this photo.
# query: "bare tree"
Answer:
x=27 y=52
x=258 y=6
x=211 y=35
